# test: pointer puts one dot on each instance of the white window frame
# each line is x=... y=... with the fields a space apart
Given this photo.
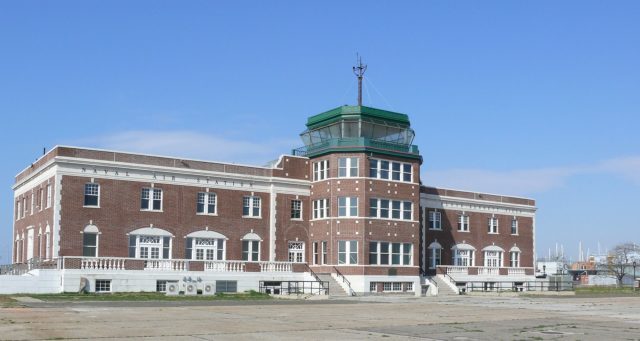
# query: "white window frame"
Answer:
x=463 y=222
x=463 y=257
x=315 y=260
x=435 y=257
x=102 y=285
x=296 y=252
x=217 y=246
x=252 y=202
x=514 y=226
x=435 y=220
x=296 y=209
x=248 y=255
x=24 y=206
x=390 y=207
x=151 y=197
x=347 y=207
x=48 y=245
x=33 y=202
x=514 y=259
x=321 y=170
x=144 y=241
x=321 y=209
x=41 y=197
x=324 y=258
x=89 y=191
x=493 y=225
x=348 y=167
x=97 y=234
x=391 y=172
x=347 y=246
x=208 y=199
x=19 y=209
x=493 y=259
x=403 y=250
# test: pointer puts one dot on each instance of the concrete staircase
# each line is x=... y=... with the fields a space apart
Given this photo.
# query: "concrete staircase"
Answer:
x=335 y=289
x=444 y=287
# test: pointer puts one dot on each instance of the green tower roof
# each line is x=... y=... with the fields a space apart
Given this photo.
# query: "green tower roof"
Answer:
x=354 y=111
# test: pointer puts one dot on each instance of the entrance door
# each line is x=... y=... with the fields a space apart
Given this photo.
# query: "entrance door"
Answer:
x=29 y=244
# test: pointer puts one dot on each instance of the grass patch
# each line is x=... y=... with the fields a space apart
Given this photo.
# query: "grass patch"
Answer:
x=150 y=296
x=608 y=290
x=7 y=301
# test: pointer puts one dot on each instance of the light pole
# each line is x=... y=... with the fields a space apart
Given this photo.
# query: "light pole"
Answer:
x=634 y=275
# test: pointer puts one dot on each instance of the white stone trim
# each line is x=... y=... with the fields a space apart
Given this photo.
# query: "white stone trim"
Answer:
x=206 y=234
x=478 y=206
x=151 y=231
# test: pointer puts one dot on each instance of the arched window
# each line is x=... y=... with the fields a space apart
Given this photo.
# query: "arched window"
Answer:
x=18 y=257
x=493 y=256
x=90 y=241
x=150 y=243
x=435 y=254
x=205 y=245
x=40 y=255
x=463 y=254
x=251 y=247
x=296 y=252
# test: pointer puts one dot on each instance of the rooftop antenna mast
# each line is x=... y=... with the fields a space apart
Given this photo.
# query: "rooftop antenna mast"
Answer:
x=359 y=72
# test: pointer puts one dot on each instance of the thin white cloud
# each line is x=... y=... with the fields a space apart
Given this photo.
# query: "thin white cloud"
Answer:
x=195 y=145
x=529 y=181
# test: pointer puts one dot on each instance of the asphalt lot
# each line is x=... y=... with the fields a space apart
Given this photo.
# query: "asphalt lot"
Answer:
x=447 y=318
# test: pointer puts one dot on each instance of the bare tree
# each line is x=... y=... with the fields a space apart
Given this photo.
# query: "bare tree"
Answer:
x=620 y=260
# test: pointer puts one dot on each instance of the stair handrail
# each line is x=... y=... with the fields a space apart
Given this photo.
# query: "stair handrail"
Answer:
x=345 y=280
x=453 y=281
x=313 y=273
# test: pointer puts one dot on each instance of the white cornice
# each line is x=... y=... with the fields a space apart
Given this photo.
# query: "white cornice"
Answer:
x=474 y=205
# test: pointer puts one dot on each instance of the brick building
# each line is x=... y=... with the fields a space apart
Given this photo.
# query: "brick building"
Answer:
x=349 y=204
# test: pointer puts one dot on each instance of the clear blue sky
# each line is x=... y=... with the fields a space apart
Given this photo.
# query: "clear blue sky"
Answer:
x=539 y=99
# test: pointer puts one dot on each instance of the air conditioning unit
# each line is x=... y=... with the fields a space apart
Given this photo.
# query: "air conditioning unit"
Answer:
x=209 y=289
x=190 y=288
x=173 y=289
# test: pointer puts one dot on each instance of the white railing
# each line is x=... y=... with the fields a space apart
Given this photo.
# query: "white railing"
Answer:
x=483 y=270
x=107 y=263
x=275 y=267
x=224 y=266
x=166 y=265
x=516 y=271
x=456 y=269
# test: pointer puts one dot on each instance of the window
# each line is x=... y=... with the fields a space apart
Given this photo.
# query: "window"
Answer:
x=48 y=196
x=226 y=286
x=380 y=208
x=89 y=244
x=324 y=253
x=24 y=207
x=493 y=259
x=103 y=285
x=347 y=206
x=161 y=286
x=33 y=202
x=205 y=248
x=41 y=199
x=320 y=170
x=401 y=253
x=435 y=220
x=151 y=199
x=316 y=254
x=48 y=243
x=514 y=226
x=149 y=247
x=91 y=195
x=463 y=222
x=347 y=252
x=296 y=252
x=296 y=209
x=206 y=203
x=514 y=259
x=320 y=209
x=388 y=170
x=250 y=250
x=463 y=257
x=435 y=257
x=251 y=206
x=493 y=225
x=18 y=209
x=347 y=167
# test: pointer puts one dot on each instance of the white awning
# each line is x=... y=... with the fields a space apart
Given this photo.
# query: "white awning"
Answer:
x=252 y=236
x=493 y=248
x=151 y=231
x=91 y=229
x=435 y=245
x=206 y=234
x=515 y=249
x=463 y=246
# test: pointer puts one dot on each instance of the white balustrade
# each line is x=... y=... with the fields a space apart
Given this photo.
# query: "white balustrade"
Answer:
x=516 y=271
x=224 y=266
x=457 y=270
x=275 y=267
x=102 y=263
x=166 y=265
x=483 y=270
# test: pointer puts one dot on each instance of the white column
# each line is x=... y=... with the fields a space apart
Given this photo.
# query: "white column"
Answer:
x=272 y=223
